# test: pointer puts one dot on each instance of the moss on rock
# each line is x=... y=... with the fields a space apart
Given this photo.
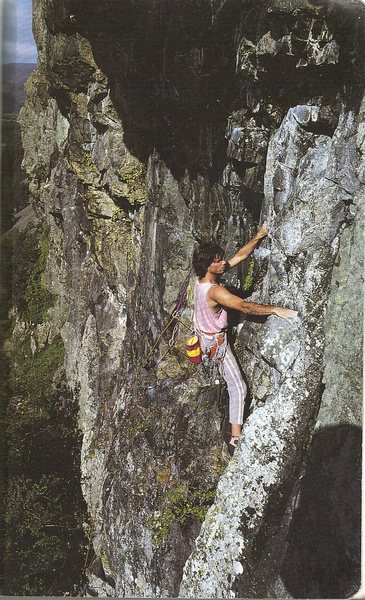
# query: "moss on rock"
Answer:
x=248 y=280
x=133 y=174
x=180 y=506
x=28 y=253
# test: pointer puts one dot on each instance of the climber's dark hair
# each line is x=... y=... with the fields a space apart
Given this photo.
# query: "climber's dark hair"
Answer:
x=204 y=255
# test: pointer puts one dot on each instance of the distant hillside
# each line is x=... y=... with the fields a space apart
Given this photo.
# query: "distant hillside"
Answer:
x=13 y=191
x=14 y=77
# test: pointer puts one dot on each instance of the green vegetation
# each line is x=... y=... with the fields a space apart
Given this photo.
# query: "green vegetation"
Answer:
x=41 y=536
x=248 y=280
x=32 y=382
x=37 y=297
x=13 y=191
x=105 y=559
x=42 y=509
x=28 y=251
x=180 y=505
x=5 y=333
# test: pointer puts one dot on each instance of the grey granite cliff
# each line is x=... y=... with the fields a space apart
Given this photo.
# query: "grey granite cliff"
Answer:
x=150 y=126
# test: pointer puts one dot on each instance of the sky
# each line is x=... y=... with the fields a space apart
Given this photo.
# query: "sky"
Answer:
x=17 y=39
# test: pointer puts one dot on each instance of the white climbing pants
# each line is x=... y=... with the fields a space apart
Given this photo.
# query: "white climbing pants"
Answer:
x=236 y=385
x=237 y=388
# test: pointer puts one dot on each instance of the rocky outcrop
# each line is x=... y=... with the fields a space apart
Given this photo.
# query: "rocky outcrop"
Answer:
x=243 y=539
x=148 y=128
x=327 y=518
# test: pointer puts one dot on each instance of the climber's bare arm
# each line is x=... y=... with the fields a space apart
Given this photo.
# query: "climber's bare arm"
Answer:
x=248 y=248
x=223 y=297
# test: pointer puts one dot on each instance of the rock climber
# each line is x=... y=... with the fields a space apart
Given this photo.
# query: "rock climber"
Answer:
x=210 y=318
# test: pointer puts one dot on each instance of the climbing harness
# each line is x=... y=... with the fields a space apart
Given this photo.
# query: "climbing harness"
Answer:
x=214 y=348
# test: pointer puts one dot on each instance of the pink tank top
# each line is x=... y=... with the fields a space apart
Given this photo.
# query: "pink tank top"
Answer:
x=205 y=318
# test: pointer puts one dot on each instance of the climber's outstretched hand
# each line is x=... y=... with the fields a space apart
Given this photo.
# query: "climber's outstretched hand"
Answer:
x=286 y=313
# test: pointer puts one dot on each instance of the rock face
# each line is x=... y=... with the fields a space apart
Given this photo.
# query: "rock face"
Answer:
x=243 y=534
x=148 y=127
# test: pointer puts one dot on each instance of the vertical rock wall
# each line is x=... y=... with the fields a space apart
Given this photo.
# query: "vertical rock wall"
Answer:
x=327 y=518
x=243 y=539
x=148 y=127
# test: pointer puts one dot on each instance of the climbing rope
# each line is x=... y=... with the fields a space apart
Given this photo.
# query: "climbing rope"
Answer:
x=175 y=318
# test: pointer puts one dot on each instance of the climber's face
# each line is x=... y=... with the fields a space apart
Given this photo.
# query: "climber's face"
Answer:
x=218 y=266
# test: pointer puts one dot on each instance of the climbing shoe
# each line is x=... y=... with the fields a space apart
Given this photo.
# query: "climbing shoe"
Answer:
x=232 y=445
